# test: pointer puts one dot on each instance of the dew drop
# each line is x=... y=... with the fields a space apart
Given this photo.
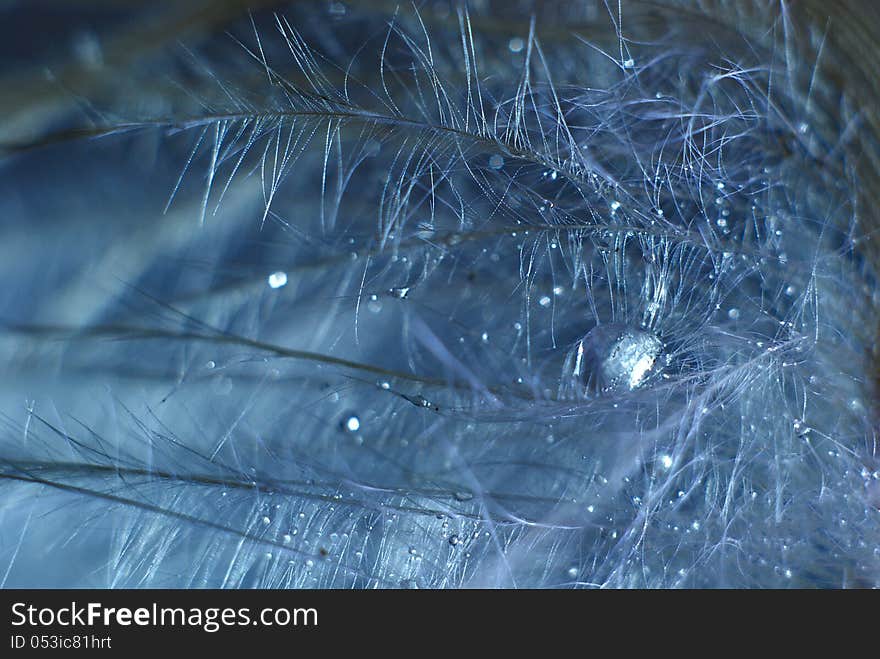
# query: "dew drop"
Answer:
x=515 y=45
x=496 y=161
x=454 y=540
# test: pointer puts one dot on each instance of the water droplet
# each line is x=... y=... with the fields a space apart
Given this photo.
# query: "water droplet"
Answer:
x=616 y=357
x=666 y=461
x=614 y=206
x=801 y=428
x=572 y=572
x=399 y=292
x=277 y=279
x=351 y=423
x=267 y=521
x=733 y=314
x=454 y=540
x=515 y=45
x=544 y=301
x=629 y=63
x=287 y=537
x=496 y=161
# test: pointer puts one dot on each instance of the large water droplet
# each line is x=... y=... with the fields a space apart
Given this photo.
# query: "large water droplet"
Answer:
x=617 y=357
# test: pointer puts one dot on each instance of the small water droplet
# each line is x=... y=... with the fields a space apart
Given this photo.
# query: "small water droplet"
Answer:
x=351 y=423
x=454 y=540
x=277 y=279
x=496 y=161
x=421 y=401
